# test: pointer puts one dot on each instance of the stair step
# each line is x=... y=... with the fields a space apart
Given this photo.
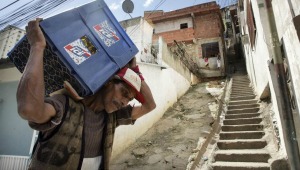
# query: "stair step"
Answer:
x=241 y=93
x=242 y=144
x=242 y=102
x=238 y=111
x=242 y=121
x=236 y=92
x=242 y=106
x=250 y=97
x=240 y=166
x=254 y=127
x=241 y=86
x=242 y=135
x=242 y=155
x=243 y=115
x=240 y=80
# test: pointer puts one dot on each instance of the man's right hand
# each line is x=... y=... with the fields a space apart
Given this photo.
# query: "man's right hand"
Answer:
x=35 y=35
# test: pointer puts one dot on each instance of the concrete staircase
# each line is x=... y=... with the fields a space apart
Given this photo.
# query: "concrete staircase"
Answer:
x=240 y=144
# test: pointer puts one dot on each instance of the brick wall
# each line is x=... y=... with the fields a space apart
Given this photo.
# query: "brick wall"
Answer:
x=186 y=34
x=153 y=14
x=208 y=26
x=159 y=16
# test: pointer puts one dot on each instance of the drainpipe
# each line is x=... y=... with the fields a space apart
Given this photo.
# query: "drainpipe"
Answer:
x=281 y=89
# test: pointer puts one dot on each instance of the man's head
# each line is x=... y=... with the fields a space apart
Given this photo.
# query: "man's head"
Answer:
x=125 y=86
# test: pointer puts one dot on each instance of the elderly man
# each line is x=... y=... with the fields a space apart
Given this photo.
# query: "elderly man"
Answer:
x=75 y=132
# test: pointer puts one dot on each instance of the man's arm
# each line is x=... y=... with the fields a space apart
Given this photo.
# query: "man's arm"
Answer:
x=149 y=103
x=31 y=89
x=147 y=106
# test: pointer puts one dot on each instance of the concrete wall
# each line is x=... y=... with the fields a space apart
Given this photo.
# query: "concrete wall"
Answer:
x=167 y=86
x=168 y=81
x=172 y=25
x=13 y=129
x=258 y=55
x=288 y=34
x=296 y=6
x=173 y=61
x=140 y=32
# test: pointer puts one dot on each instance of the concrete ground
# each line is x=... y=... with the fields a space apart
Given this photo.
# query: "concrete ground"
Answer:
x=172 y=141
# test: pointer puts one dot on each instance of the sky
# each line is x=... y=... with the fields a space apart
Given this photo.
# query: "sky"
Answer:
x=19 y=12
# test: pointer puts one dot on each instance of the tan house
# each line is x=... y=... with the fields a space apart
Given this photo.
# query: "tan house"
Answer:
x=198 y=30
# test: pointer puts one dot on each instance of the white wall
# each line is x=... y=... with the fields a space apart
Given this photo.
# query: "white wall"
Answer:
x=9 y=74
x=172 y=25
x=167 y=86
x=258 y=55
x=296 y=6
x=141 y=35
x=13 y=127
x=291 y=41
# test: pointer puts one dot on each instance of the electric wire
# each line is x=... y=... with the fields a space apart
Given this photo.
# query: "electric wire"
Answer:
x=9 y=5
x=139 y=25
x=33 y=7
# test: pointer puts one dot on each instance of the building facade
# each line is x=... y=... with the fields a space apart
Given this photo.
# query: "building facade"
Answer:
x=9 y=36
x=199 y=31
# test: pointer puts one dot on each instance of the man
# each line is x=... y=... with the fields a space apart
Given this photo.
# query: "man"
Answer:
x=75 y=132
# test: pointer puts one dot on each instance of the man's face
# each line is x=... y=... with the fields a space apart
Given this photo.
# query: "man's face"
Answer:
x=117 y=96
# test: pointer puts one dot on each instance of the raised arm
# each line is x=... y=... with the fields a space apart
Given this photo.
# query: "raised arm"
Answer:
x=31 y=89
x=146 y=107
x=149 y=103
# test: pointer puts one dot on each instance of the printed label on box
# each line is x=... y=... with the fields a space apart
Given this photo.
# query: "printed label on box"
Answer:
x=78 y=51
x=106 y=33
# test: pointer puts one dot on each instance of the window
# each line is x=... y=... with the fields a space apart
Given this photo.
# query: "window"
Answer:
x=251 y=23
x=241 y=4
x=183 y=26
x=296 y=21
x=210 y=49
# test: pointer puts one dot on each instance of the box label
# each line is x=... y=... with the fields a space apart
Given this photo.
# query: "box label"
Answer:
x=106 y=33
x=78 y=51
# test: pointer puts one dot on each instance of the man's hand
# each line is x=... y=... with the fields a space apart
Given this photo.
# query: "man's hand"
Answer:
x=149 y=103
x=132 y=63
x=35 y=35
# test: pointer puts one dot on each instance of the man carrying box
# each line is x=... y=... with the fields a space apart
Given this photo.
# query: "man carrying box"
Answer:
x=75 y=132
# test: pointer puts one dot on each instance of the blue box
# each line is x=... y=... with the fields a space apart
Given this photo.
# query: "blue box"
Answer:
x=90 y=46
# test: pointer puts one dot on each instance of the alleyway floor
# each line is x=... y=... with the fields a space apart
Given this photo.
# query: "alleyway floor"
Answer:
x=170 y=143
